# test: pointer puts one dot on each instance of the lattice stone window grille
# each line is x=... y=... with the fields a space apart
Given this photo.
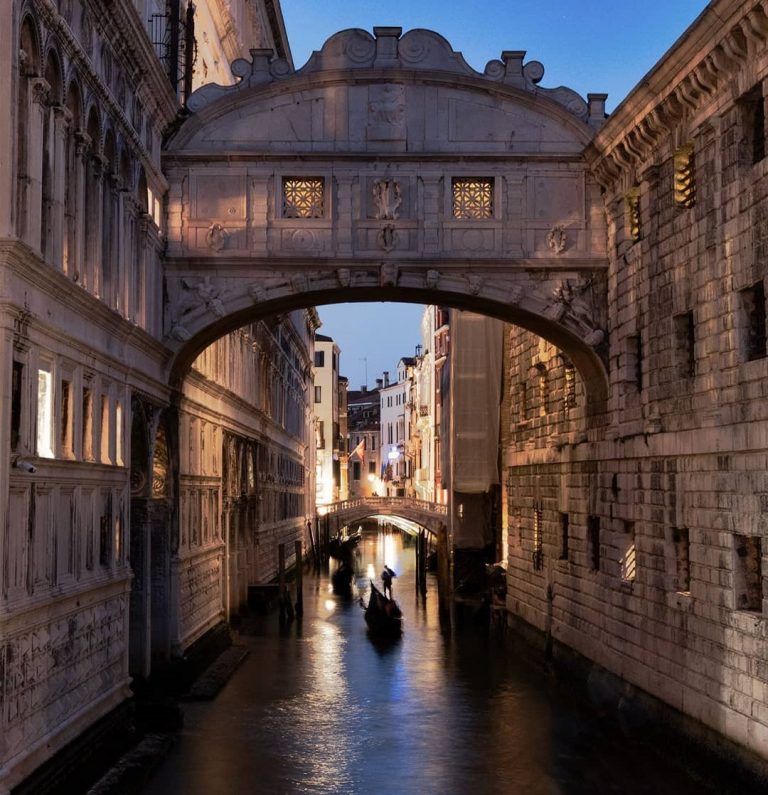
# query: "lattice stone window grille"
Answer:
x=685 y=183
x=632 y=200
x=303 y=197
x=472 y=197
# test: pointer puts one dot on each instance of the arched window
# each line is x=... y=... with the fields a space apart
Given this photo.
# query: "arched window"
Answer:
x=90 y=208
x=53 y=78
x=109 y=220
x=73 y=176
x=29 y=67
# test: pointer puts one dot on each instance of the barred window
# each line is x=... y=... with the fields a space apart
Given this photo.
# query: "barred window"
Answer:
x=685 y=183
x=472 y=197
x=303 y=197
x=632 y=200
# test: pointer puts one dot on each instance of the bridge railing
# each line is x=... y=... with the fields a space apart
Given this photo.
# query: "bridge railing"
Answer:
x=409 y=504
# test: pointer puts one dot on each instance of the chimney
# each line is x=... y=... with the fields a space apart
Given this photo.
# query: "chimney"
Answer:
x=379 y=383
x=386 y=378
x=363 y=388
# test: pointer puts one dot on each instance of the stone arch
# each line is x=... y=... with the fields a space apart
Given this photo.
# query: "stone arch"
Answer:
x=54 y=72
x=29 y=44
x=385 y=127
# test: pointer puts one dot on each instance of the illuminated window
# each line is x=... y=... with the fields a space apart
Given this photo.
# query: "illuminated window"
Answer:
x=105 y=458
x=632 y=200
x=66 y=418
x=472 y=197
x=685 y=183
x=538 y=540
x=119 y=433
x=569 y=390
x=45 y=413
x=87 y=424
x=628 y=553
x=303 y=197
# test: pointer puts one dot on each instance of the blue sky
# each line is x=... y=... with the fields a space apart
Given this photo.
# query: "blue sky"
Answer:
x=603 y=46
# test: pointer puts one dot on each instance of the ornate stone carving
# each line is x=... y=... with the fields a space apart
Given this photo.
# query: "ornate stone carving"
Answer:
x=178 y=332
x=516 y=293
x=386 y=199
x=431 y=279
x=387 y=238
x=41 y=89
x=557 y=239
x=574 y=299
x=257 y=292
x=203 y=293
x=389 y=275
x=386 y=112
x=303 y=240
x=299 y=283
x=475 y=283
x=344 y=277
x=216 y=237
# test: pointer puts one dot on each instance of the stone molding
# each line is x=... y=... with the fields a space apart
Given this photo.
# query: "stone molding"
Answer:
x=418 y=50
x=712 y=54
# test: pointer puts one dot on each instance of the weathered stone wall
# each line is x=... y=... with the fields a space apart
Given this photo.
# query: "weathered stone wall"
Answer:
x=662 y=580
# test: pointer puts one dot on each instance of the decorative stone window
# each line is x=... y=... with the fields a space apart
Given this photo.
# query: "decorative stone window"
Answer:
x=538 y=539
x=753 y=125
x=303 y=197
x=569 y=387
x=632 y=214
x=628 y=553
x=45 y=410
x=685 y=182
x=747 y=572
x=753 y=322
x=472 y=197
x=593 y=542
x=685 y=339
x=564 y=535
x=681 y=541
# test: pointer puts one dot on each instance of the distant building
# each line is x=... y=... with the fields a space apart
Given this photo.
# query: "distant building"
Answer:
x=364 y=442
x=395 y=430
x=326 y=406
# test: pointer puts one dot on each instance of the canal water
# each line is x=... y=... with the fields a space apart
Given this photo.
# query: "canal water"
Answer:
x=318 y=708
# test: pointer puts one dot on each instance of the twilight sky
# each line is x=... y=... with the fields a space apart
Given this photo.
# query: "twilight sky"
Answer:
x=588 y=45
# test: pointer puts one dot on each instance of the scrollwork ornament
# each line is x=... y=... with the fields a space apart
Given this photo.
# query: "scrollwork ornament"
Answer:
x=387 y=238
x=557 y=239
x=386 y=199
x=216 y=237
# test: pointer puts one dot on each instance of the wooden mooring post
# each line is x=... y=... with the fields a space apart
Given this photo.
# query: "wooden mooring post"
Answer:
x=443 y=575
x=299 y=581
x=282 y=598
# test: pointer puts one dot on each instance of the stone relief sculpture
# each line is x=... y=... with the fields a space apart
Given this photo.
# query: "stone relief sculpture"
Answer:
x=257 y=292
x=343 y=276
x=556 y=239
x=431 y=279
x=201 y=294
x=386 y=199
x=574 y=299
x=387 y=237
x=475 y=283
x=389 y=275
x=216 y=237
x=386 y=112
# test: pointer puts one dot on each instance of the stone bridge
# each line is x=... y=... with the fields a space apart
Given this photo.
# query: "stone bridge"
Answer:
x=430 y=515
x=387 y=169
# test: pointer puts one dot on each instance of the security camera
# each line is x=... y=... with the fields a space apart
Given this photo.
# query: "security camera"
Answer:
x=24 y=466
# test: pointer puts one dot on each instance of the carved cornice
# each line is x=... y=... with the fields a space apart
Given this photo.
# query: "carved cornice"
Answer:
x=721 y=42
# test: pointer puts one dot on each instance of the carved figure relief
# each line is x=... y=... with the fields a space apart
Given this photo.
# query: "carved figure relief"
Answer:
x=344 y=277
x=475 y=283
x=386 y=112
x=386 y=199
x=257 y=293
x=432 y=278
x=575 y=300
x=204 y=293
x=216 y=237
x=389 y=275
x=556 y=239
x=387 y=237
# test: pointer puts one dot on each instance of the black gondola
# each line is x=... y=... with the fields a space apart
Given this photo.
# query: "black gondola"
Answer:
x=341 y=579
x=383 y=616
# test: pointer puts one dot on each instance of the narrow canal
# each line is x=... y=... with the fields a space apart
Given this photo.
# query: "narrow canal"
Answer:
x=319 y=709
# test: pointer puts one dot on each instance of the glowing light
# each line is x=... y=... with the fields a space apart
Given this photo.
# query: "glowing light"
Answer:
x=370 y=572
x=371 y=477
x=329 y=605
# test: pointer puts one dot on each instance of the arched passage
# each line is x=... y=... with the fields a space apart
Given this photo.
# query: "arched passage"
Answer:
x=387 y=169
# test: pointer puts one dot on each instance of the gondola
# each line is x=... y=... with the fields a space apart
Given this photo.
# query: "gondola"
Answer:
x=383 y=616
x=341 y=579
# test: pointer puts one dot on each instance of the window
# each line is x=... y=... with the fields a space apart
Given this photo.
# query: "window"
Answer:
x=303 y=197
x=569 y=387
x=681 y=540
x=371 y=467
x=632 y=361
x=472 y=197
x=753 y=107
x=66 y=419
x=356 y=470
x=87 y=425
x=538 y=541
x=318 y=394
x=685 y=183
x=373 y=443
x=628 y=553
x=17 y=380
x=45 y=412
x=593 y=542
x=753 y=311
x=105 y=457
x=319 y=358
x=748 y=575
x=564 y=533
x=685 y=358
x=543 y=388
x=632 y=208
x=119 y=434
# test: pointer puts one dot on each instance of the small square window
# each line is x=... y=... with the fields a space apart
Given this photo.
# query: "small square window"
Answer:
x=303 y=197
x=472 y=197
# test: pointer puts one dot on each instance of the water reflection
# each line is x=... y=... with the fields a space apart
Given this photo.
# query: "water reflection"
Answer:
x=322 y=709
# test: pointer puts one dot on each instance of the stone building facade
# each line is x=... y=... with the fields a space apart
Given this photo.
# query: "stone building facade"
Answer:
x=638 y=537
x=112 y=550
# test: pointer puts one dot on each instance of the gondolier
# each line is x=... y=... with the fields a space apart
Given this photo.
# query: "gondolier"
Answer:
x=386 y=578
